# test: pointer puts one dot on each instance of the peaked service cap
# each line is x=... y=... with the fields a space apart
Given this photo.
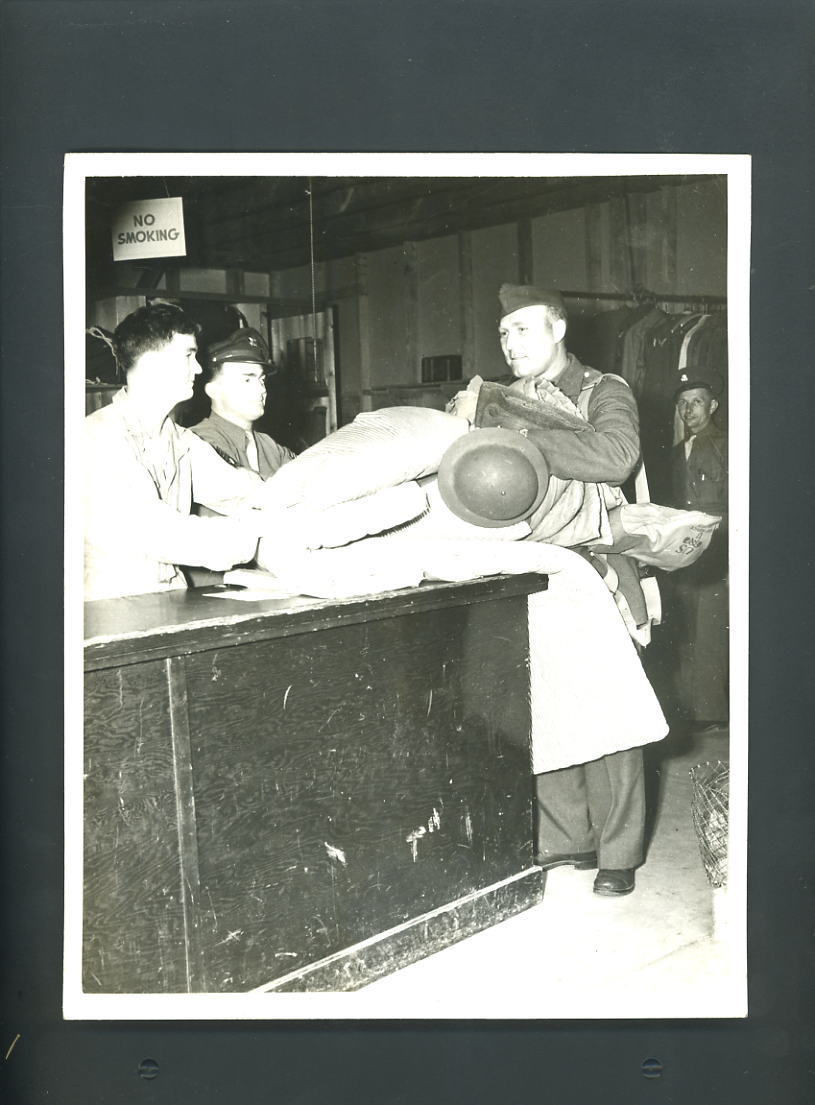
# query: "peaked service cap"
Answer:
x=245 y=345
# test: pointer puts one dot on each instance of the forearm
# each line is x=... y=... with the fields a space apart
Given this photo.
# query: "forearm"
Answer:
x=604 y=449
x=220 y=486
x=608 y=457
x=216 y=543
x=159 y=532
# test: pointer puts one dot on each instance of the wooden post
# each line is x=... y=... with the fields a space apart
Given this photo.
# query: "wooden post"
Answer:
x=363 y=317
x=636 y=237
x=411 y=271
x=525 y=262
x=329 y=371
x=467 y=304
x=173 y=281
x=234 y=283
x=594 y=251
x=190 y=882
x=667 y=200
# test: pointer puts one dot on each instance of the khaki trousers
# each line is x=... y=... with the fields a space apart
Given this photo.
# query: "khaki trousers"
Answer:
x=595 y=806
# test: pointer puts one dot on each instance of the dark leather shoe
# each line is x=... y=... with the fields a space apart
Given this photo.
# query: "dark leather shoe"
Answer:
x=581 y=861
x=614 y=883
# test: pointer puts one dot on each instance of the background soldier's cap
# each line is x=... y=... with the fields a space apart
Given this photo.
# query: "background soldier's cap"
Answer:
x=513 y=297
x=245 y=345
x=712 y=381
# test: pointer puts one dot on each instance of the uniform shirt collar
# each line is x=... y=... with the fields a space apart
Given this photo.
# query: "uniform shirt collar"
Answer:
x=571 y=379
x=711 y=430
x=236 y=434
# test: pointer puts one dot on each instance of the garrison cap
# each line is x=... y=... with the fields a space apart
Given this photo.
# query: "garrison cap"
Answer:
x=245 y=345
x=513 y=297
x=711 y=381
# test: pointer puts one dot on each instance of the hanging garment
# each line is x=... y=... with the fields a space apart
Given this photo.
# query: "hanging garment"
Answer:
x=598 y=339
x=632 y=368
x=662 y=349
x=682 y=366
x=708 y=358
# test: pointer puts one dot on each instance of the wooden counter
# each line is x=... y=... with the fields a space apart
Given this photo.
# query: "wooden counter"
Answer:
x=301 y=794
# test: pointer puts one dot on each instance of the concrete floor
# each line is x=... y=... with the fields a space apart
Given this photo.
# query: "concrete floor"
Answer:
x=670 y=949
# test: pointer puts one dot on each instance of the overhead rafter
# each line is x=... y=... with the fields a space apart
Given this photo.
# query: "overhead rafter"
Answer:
x=262 y=224
x=374 y=218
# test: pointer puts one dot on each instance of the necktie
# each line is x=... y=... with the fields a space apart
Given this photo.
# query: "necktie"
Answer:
x=252 y=451
x=689 y=445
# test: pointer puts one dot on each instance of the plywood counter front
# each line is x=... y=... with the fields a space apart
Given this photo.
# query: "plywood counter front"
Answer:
x=302 y=794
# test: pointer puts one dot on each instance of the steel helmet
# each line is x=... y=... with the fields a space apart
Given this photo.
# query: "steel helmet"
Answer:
x=493 y=478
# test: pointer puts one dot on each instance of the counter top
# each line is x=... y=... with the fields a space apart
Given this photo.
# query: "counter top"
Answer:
x=167 y=623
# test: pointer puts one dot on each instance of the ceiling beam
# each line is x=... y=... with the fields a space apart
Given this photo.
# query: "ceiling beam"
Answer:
x=482 y=204
x=263 y=224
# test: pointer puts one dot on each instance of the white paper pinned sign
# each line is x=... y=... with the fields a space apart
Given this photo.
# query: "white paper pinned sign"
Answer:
x=149 y=228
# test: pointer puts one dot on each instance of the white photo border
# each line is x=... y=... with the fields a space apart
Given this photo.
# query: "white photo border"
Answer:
x=357 y=1005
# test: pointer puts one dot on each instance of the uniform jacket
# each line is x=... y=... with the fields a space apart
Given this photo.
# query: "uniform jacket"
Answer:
x=138 y=495
x=700 y=482
x=605 y=449
x=229 y=441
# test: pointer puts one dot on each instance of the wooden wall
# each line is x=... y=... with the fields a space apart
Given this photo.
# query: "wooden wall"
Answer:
x=438 y=296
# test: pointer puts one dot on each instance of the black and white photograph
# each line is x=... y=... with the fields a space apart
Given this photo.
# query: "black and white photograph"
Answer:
x=406 y=585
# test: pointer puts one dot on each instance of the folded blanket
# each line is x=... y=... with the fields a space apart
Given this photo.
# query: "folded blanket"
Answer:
x=288 y=531
x=379 y=449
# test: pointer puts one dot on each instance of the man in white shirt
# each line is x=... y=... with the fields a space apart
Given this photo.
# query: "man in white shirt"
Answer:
x=143 y=472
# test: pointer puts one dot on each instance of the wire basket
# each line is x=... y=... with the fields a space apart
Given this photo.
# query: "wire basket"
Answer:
x=709 y=802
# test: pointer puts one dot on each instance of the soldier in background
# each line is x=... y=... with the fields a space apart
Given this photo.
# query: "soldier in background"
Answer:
x=699 y=466
x=235 y=376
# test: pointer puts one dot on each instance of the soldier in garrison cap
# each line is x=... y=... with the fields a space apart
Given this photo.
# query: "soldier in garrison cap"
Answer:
x=590 y=815
x=699 y=626
x=235 y=376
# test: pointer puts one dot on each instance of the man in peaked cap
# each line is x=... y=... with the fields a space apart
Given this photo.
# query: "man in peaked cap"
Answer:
x=236 y=371
x=699 y=627
x=590 y=815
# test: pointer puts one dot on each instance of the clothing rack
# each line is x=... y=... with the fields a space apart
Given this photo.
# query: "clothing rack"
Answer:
x=704 y=303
